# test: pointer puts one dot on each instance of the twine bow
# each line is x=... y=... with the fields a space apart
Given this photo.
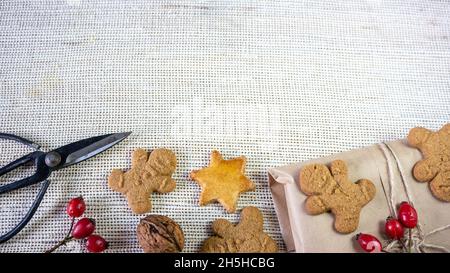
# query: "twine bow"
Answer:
x=418 y=237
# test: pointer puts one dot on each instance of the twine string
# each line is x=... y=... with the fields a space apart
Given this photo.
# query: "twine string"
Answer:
x=391 y=183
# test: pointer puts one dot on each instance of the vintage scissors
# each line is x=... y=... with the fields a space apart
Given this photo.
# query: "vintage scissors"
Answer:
x=46 y=163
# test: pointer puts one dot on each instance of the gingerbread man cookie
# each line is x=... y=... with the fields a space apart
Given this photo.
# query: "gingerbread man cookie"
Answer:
x=148 y=173
x=223 y=180
x=247 y=236
x=435 y=167
x=329 y=189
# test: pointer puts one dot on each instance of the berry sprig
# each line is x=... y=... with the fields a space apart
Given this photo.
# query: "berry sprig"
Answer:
x=82 y=230
x=394 y=229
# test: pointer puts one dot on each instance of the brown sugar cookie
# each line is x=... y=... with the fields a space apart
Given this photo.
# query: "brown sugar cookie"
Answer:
x=223 y=180
x=247 y=236
x=435 y=167
x=329 y=189
x=149 y=172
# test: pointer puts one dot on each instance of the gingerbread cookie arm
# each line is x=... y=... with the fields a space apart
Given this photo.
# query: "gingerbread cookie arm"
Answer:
x=425 y=170
x=315 y=205
x=222 y=227
x=368 y=191
x=164 y=184
x=440 y=185
x=417 y=136
x=446 y=129
x=116 y=181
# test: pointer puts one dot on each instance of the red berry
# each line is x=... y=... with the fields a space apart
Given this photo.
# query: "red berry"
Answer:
x=76 y=207
x=393 y=228
x=407 y=215
x=95 y=244
x=83 y=228
x=369 y=243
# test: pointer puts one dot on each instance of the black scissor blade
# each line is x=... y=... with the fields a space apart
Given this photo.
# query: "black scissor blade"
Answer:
x=81 y=150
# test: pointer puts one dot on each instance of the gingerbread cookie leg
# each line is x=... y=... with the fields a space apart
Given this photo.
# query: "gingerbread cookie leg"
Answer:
x=138 y=200
x=346 y=221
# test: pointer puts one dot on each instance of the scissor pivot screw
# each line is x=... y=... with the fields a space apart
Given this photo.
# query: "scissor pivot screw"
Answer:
x=52 y=159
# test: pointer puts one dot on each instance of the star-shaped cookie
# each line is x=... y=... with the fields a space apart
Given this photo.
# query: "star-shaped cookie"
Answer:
x=223 y=181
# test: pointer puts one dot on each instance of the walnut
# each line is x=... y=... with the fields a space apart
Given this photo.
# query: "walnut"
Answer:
x=160 y=234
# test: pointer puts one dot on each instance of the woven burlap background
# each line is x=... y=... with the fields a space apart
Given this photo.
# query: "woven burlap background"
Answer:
x=277 y=81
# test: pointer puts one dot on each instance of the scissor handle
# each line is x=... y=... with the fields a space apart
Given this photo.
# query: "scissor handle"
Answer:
x=19 y=162
x=21 y=140
x=23 y=160
x=42 y=172
x=34 y=179
x=29 y=215
x=37 y=157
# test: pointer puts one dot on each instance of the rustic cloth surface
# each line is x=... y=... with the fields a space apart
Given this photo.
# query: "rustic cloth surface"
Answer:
x=277 y=81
